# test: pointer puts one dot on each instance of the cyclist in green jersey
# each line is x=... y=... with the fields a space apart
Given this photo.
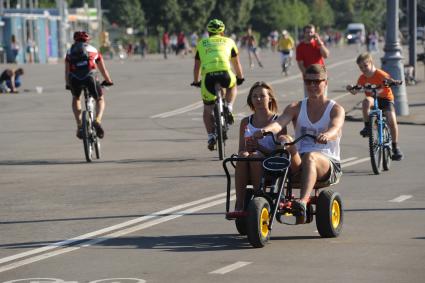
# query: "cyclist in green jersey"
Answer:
x=212 y=61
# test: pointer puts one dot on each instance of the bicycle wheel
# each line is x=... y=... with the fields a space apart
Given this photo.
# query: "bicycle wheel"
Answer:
x=219 y=131
x=375 y=149
x=88 y=149
x=386 y=154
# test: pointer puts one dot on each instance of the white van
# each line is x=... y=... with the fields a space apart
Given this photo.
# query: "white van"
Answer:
x=355 y=33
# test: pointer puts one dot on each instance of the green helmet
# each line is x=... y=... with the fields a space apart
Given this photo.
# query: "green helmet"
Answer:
x=215 y=26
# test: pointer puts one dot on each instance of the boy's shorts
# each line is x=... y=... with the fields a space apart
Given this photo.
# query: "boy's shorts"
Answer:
x=386 y=105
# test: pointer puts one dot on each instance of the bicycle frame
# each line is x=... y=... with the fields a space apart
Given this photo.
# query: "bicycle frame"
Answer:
x=375 y=111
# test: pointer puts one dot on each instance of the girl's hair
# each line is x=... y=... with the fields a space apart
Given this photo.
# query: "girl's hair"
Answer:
x=272 y=104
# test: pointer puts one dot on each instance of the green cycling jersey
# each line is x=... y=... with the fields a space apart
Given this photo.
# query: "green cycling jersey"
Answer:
x=215 y=53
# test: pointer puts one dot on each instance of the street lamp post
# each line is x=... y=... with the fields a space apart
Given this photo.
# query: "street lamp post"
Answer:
x=392 y=62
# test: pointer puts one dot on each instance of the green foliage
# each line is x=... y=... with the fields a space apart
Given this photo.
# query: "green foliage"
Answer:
x=195 y=14
x=162 y=13
x=125 y=13
x=234 y=13
x=323 y=14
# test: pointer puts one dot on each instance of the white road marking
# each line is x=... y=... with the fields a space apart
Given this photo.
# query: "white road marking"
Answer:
x=351 y=163
x=113 y=235
x=241 y=91
x=348 y=159
x=231 y=267
x=108 y=229
x=121 y=229
x=401 y=198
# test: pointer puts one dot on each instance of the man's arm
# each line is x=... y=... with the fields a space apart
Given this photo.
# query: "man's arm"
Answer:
x=335 y=125
x=237 y=66
x=103 y=70
x=301 y=66
x=197 y=71
x=323 y=50
x=66 y=73
x=282 y=121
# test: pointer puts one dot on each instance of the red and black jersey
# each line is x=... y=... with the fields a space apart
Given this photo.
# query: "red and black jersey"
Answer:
x=82 y=59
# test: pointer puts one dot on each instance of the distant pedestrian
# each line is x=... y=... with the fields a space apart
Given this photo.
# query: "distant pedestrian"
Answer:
x=14 y=47
x=165 y=44
x=251 y=44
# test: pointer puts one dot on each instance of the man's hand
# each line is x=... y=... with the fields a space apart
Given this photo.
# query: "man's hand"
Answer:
x=322 y=138
x=67 y=87
x=239 y=81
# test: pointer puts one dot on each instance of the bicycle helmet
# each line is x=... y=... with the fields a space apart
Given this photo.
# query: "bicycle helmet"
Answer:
x=81 y=36
x=215 y=26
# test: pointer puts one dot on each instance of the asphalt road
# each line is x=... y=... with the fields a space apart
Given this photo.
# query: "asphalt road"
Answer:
x=153 y=207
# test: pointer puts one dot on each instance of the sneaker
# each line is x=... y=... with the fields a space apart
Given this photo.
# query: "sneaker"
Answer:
x=397 y=154
x=212 y=142
x=99 y=130
x=299 y=209
x=80 y=133
x=364 y=132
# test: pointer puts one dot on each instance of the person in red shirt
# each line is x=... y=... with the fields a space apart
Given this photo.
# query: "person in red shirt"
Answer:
x=311 y=50
x=165 y=43
x=372 y=75
x=81 y=62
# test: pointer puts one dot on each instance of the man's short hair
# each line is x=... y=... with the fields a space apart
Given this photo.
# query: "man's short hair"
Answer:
x=317 y=69
x=364 y=57
x=309 y=26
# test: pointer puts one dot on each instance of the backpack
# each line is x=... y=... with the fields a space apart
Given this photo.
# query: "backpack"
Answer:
x=79 y=57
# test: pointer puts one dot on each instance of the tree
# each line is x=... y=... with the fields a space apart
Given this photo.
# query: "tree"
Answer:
x=323 y=15
x=266 y=15
x=164 y=14
x=195 y=14
x=125 y=13
x=234 y=13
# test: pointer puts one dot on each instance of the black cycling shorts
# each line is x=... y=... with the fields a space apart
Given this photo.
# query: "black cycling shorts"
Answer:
x=386 y=105
x=222 y=77
x=90 y=82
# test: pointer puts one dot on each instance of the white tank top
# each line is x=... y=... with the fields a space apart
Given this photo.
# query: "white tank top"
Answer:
x=305 y=126
x=267 y=141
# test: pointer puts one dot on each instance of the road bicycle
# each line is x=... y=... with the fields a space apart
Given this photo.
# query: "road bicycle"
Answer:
x=380 y=140
x=222 y=119
x=90 y=139
x=274 y=199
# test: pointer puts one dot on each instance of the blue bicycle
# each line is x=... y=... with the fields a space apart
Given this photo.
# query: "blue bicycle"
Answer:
x=380 y=140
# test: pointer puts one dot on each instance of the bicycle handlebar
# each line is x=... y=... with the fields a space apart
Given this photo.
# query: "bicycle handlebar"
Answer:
x=196 y=84
x=289 y=143
x=372 y=87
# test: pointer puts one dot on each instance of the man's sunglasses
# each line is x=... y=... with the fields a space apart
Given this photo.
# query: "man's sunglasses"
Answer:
x=314 y=82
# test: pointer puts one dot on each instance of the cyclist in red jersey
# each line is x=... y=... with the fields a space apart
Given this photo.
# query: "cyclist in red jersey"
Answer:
x=81 y=62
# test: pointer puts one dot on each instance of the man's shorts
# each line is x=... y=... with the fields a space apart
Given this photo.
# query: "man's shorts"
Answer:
x=92 y=84
x=333 y=178
x=225 y=78
x=386 y=105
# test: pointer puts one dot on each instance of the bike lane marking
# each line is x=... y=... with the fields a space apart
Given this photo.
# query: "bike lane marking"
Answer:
x=230 y=267
x=108 y=229
x=401 y=198
x=199 y=104
x=121 y=229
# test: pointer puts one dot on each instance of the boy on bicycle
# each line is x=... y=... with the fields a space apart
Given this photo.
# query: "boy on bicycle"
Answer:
x=372 y=75
x=212 y=60
x=80 y=71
